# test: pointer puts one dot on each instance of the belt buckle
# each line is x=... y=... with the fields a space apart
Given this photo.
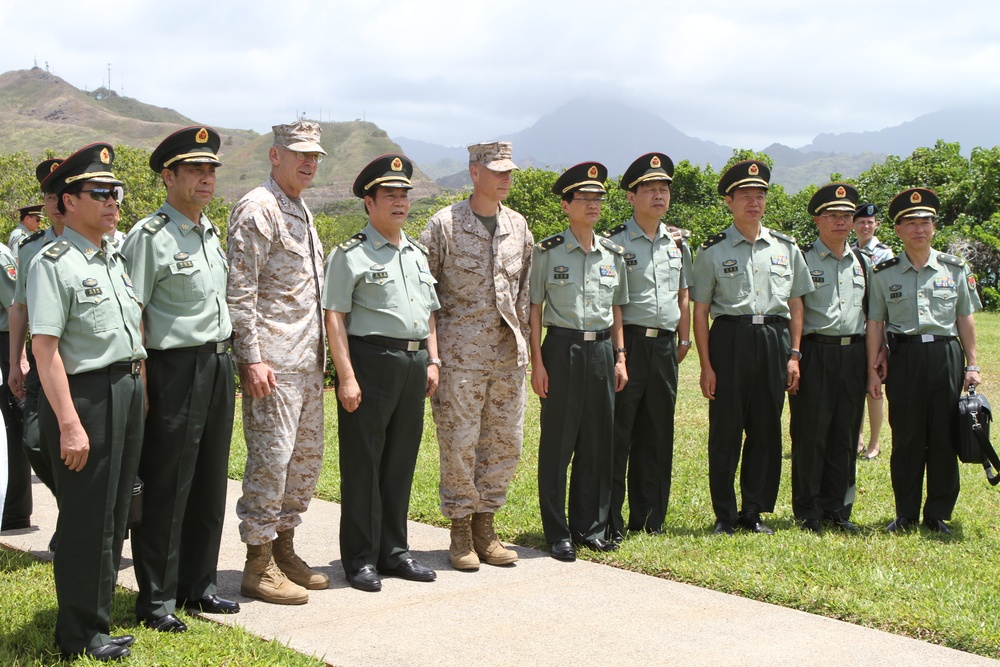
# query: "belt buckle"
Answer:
x=652 y=333
x=590 y=335
x=757 y=319
x=413 y=346
x=136 y=366
x=845 y=340
x=926 y=338
x=221 y=346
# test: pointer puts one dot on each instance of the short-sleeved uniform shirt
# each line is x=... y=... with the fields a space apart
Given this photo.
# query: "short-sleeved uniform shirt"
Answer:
x=923 y=301
x=16 y=236
x=82 y=295
x=834 y=307
x=25 y=253
x=385 y=289
x=878 y=251
x=657 y=269
x=179 y=272
x=578 y=288
x=741 y=278
x=8 y=283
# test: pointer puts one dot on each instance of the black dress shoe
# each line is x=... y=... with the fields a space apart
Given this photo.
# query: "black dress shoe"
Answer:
x=411 y=570
x=843 y=524
x=723 y=527
x=751 y=521
x=105 y=653
x=937 y=526
x=899 y=524
x=168 y=623
x=124 y=640
x=616 y=537
x=366 y=579
x=811 y=526
x=211 y=604
x=597 y=544
x=563 y=550
x=16 y=523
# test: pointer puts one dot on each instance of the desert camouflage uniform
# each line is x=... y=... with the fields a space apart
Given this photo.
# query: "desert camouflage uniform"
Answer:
x=482 y=332
x=276 y=268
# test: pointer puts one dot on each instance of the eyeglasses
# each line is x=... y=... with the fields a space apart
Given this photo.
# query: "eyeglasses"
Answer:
x=587 y=201
x=307 y=157
x=837 y=217
x=102 y=194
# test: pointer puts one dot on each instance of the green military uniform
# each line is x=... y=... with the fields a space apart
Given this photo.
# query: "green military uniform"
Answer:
x=577 y=290
x=179 y=271
x=81 y=294
x=919 y=308
x=748 y=286
x=388 y=294
x=17 y=506
x=644 y=409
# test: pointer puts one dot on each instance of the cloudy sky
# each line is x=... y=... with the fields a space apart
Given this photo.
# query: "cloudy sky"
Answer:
x=739 y=73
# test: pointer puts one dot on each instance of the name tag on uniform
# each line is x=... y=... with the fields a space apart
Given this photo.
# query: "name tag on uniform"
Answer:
x=607 y=271
x=93 y=291
x=379 y=275
x=779 y=260
x=674 y=252
x=946 y=283
x=185 y=265
x=729 y=266
x=561 y=273
x=630 y=259
x=895 y=291
x=817 y=276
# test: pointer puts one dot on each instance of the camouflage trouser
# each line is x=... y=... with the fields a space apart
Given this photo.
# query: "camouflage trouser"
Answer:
x=480 y=418
x=284 y=436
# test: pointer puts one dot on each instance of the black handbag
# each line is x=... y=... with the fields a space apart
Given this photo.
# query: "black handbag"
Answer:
x=974 y=417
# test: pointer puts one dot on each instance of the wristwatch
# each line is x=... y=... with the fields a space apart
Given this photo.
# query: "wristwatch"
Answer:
x=794 y=354
x=972 y=369
x=684 y=343
x=434 y=361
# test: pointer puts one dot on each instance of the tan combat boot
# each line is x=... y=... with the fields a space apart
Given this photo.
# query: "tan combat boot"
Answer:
x=486 y=542
x=294 y=567
x=461 y=553
x=264 y=581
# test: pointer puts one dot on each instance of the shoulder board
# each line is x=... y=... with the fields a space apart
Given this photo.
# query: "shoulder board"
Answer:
x=551 y=242
x=864 y=251
x=806 y=247
x=353 y=242
x=881 y=246
x=782 y=235
x=886 y=264
x=55 y=250
x=614 y=230
x=951 y=259
x=418 y=244
x=31 y=237
x=712 y=240
x=612 y=246
x=156 y=222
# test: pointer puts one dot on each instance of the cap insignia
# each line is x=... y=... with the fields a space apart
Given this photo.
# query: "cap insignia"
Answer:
x=202 y=136
x=397 y=164
x=841 y=192
x=655 y=162
x=754 y=169
x=105 y=156
x=54 y=166
x=592 y=172
x=915 y=198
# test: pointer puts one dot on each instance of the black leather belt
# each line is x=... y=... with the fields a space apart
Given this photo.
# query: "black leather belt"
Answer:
x=646 y=332
x=917 y=338
x=579 y=335
x=118 y=368
x=753 y=319
x=395 y=343
x=834 y=340
x=217 y=348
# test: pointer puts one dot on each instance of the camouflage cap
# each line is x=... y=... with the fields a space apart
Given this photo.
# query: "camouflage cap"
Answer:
x=302 y=136
x=495 y=156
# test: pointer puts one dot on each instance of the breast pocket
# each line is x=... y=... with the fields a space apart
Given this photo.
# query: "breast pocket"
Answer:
x=96 y=311
x=900 y=309
x=186 y=282
x=607 y=291
x=781 y=281
x=733 y=282
x=859 y=290
x=562 y=292
x=379 y=292
x=943 y=303
x=472 y=265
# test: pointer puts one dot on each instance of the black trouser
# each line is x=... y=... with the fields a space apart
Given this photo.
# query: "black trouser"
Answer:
x=184 y=466
x=93 y=502
x=826 y=416
x=18 y=505
x=923 y=386
x=576 y=425
x=751 y=371
x=644 y=433
x=379 y=443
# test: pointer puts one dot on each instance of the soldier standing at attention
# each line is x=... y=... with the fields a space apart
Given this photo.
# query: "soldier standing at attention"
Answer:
x=88 y=344
x=31 y=217
x=656 y=323
x=865 y=225
x=826 y=410
x=275 y=277
x=480 y=253
x=179 y=273
x=751 y=280
x=379 y=305
x=578 y=286
x=923 y=302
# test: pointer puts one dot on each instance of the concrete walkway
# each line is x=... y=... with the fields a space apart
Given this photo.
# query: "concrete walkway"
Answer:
x=537 y=612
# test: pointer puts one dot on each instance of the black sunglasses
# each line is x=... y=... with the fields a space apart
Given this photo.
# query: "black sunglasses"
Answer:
x=102 y=194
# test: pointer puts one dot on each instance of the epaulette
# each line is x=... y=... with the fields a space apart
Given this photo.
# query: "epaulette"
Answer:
x=612 y=246
x=806 y=248
x=156 y=222
x=551 y=242
x=31 y=237
x=951 y=259
x=353 y=242
x=712 y=240
x=886 y=264
x=614 y=230
x=782 y=236
x=418 y=244
x=55 y=250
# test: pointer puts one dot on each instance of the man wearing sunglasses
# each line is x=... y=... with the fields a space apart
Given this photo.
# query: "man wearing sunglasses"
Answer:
x=31 y=218
x=275 y=279
x=88 y=344
x=179 y=273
